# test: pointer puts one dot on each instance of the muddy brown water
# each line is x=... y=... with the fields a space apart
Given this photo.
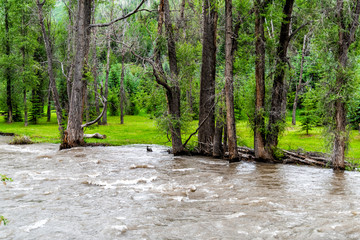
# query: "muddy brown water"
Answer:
x=128 y=193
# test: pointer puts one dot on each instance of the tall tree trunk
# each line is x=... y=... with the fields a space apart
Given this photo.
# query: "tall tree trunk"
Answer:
x=104 y=119
x=174 y=95
x=23 y=53
x=229 y=83
x=69 y=51
x=277 y=113
x=25 y=109
x=49 y=55
x=122 y=90
x=49 y=105
x=74 y=132
x=207 y=79
x=259 y=129
x=299 y=85
x=218 y=147
x=7 y=68
x=95 y=72
x=346 y=38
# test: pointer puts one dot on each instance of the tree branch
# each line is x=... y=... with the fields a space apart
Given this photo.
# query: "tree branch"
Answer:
x=297 y=30
x=137 y=9
x=103 y=101
x=200 y=125
x=355 y=23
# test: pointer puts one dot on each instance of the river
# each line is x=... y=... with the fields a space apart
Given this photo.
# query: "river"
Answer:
x=129 y=193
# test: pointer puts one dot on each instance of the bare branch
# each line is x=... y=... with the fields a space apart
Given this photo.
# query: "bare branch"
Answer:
x=137 y=9
x=298 y=29
x=355 y=23
x=103 y=101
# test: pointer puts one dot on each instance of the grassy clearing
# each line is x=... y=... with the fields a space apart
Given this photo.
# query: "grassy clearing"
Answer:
x=142 y=130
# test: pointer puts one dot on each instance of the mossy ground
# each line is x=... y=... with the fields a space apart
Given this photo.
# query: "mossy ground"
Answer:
x=142 y=130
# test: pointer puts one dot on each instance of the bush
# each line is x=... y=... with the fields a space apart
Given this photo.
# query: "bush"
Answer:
x=21 y=140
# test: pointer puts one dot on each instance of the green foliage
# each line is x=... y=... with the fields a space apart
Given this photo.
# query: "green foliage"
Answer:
x=3 y=220
x=4 y=179
x=310 y=116
x=113 y=104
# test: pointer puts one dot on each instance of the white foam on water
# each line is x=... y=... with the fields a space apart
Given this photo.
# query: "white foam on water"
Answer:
x=36 y=225
x=236 y=215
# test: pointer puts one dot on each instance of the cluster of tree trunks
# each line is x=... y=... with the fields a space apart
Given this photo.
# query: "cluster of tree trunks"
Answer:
x=210 y=136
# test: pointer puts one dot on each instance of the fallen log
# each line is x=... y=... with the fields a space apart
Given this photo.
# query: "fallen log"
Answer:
x=308 y=158
x=7 y=134
x=95 y=135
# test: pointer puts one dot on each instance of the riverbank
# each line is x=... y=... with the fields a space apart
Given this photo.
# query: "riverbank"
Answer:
x=142 y=130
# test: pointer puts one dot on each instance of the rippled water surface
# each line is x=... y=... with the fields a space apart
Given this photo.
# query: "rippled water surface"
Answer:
x=128 y=193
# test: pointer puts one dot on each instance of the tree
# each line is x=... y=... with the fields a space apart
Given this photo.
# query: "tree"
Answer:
x=74 y=132
x=50 y=66
x=229 y=85
x=300 y=85
x=259 y=118
x=207 y=78
x=8 y=73
x=278 y=100
x=347 y=35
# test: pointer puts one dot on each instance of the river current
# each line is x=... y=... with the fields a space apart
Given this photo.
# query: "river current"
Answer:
x=129 y=193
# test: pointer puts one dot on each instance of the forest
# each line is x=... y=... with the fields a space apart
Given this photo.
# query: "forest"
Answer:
x=211 y=62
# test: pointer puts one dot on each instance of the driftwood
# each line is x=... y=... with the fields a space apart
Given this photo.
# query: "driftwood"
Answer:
x=7 y=134
x=95 y=135
x=290 y=157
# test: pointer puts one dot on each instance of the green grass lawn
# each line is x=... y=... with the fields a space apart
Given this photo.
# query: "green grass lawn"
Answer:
x=142 y=130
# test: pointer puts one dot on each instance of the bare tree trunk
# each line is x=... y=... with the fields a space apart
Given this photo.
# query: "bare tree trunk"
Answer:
x=86 y=103
x=49 y=105
x=49 y=55
x=24 y=91
x=7 y=69
x=259 y=129
x=25 y=110
x=277 y=113
x=74 y=133
x=104 y=119
x=218 y=148
x=299 y=85
x=70 y=50
x=174 y=94
x=229 y=83
x=95 y=73
x=346 y=38
x=122 y=91
x=207 y=79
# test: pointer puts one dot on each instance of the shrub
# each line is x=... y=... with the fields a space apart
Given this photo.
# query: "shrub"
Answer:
x=21 y=140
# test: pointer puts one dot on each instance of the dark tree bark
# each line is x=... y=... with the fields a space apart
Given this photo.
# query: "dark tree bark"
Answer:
x=7 y=68
x=278 y=101
x=207 y=79
x=173 y=94
x=259 y=123
x=49 y=55
x=299 y=85
x=49 y=105
x=122 y=90
x=229 y=83
x=346 y=38
x=218 y=151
